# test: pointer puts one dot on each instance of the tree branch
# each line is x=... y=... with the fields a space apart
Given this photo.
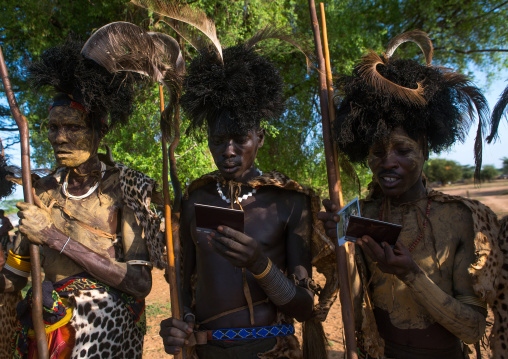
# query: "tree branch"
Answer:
x=11 y=144
x=8 y=129
x=472 y=51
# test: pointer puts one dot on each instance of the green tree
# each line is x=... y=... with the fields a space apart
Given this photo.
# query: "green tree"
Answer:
x=488 y=173
x=461 y=32
x=441 y=170
x=505 y=165
x=467 y=172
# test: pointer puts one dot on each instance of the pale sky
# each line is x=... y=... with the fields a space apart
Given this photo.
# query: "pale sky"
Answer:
x=492 y=154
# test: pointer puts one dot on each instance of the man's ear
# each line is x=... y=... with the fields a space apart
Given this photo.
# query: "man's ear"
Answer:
x=261 y=137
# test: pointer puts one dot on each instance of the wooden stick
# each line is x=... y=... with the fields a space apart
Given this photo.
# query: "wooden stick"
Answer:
x=345 y=298
x=331 y=108
x=173 y=283
x=21 y=121
x=331 y=111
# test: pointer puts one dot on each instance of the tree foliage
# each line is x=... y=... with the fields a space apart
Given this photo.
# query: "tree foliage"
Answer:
x=461 y=32
x=505 y=165
x=488 y=173
x=441 y=170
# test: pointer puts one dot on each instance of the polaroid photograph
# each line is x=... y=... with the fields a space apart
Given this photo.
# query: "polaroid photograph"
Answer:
x=378 y=230
x=351 y=209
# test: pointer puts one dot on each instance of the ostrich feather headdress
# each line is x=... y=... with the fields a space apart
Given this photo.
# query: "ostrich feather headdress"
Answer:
x=98 y=74
x=234 y=87
x=497 y=113
x=427 y=101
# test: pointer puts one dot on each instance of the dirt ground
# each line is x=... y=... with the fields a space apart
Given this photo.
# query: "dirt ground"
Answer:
x=494 y=195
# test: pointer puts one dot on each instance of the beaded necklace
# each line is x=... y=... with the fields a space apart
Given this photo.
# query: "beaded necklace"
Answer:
x=238 y=199
x=90 y=191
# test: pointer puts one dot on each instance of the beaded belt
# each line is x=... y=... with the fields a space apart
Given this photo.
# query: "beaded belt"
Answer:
x=251 y=333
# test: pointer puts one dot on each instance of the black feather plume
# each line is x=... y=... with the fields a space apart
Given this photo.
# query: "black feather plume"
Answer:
x=497 y=113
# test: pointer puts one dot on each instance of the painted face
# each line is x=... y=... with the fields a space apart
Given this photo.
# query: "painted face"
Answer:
x=234 y=155
x=70 y=135
x=397 y=164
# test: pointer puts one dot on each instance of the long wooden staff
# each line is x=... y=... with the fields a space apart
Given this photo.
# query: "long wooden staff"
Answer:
x=40 y=333
x=172 y=276
x=331 y=170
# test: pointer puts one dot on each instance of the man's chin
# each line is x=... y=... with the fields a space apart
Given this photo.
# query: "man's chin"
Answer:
x=68 y=162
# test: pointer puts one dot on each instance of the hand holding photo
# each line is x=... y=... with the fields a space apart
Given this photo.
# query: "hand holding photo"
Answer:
x=350 y=209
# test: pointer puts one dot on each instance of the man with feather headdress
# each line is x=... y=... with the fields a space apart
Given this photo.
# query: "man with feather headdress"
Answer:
x=92 y=219
x=242 y=290
x=428 y=294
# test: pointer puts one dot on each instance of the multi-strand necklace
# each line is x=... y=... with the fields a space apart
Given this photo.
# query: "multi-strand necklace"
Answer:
x=239 y=199
x=90 y=191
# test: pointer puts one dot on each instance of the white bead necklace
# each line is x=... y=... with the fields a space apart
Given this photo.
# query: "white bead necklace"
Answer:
x=240 y=199
x=90 y=191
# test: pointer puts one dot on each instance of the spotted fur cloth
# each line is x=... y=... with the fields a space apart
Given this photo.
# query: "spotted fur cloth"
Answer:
x=322 y=249
x=499 y=336
x=485 y=273
x=138 y=190
x=8 y=302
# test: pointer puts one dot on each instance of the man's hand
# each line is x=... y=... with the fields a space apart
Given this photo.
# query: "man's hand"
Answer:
x=329 y=218
x=175 y=332
x=35 y=221
x=396 y=261
x=238 y=248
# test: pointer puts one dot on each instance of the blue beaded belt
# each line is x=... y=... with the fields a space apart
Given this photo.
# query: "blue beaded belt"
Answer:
x=252 y=333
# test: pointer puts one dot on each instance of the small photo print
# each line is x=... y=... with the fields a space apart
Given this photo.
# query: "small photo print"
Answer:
x=351 y=209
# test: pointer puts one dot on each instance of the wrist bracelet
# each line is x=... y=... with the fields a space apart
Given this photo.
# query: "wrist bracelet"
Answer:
x=265 y=272
x=68 y=239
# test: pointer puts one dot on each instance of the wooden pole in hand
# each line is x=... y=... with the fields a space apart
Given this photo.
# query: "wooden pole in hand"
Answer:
x=40 y=333
x=333 y=189
x=173 y=283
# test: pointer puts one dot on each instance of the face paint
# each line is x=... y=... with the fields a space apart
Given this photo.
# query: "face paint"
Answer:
x=397 y=164
x=70 y=135
x=234 y=155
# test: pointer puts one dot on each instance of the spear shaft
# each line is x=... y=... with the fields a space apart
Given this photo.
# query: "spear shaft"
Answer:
x=172 y=278
x=21 y=121
x=333 y=189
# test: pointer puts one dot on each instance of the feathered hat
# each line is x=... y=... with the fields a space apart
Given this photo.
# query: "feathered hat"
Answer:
x=427 y=101
x=97 y=77
x=234 y=87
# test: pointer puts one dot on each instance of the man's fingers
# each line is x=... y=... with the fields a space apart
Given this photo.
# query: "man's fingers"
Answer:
x=235 y=235
x=22 y=206
x=170 y=323
x=225 y=251
x=390 y=256
x=38 y=202
x=371 y=247
x=330 y=206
